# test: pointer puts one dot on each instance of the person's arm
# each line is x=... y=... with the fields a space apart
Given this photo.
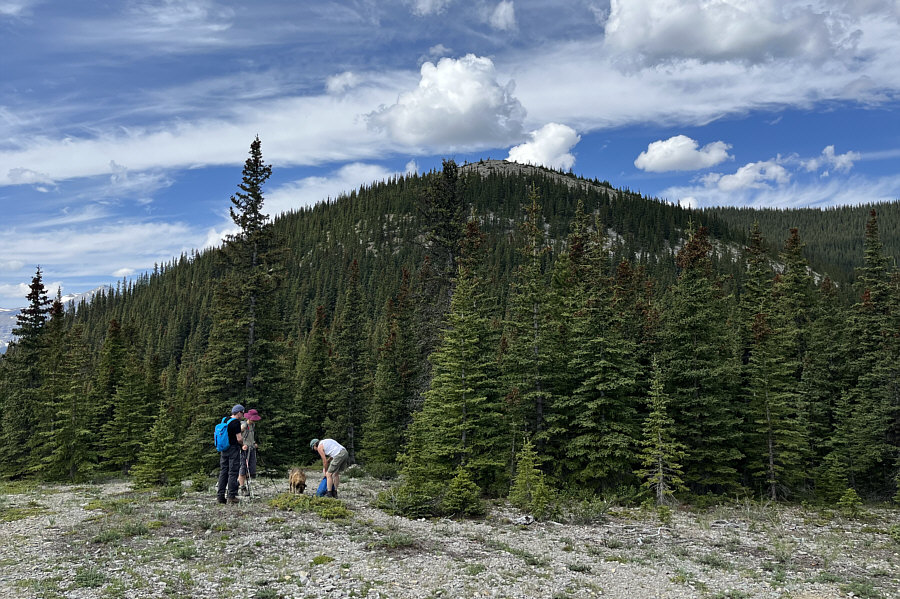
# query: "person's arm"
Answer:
x=240 y=437
x=323 y=456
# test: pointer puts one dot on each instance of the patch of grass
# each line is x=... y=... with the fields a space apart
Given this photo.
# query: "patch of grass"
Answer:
x=17 y=487
x=170 y=492
x=714 y=560
x=395 y=541
x=186 y=552
x=582 y=568
x=828 y=577
x=117 y=533
x=863 y=589
x=321 y=559
x=528 y=558
x=475 y=569
x=325 y=508
x=684 y=577
x=124 y=505
x=894 y=533
x=90 y=578
x=11 y=514
x=730 y=594
x=266 y=594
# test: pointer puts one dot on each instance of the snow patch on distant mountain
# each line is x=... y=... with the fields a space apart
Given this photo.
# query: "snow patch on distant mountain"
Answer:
x=8 y=315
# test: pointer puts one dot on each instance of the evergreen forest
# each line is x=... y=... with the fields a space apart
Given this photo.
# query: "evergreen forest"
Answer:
x=480 y=330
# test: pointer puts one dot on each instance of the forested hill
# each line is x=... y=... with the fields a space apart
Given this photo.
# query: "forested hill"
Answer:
x=833 y=243
x=478 y=324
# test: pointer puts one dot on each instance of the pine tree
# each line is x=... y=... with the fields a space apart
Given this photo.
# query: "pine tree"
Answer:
x=23 y=378
x=244 y=360
x=129 y=429
x=461 y=422
x=661 y=454
x=394 y=383
x=312 y=365
x=348 y=376
x=529 y=345
x=700 y=369
x=66 y=452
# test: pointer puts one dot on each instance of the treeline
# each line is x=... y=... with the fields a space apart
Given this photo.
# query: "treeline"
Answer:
x=444 y=325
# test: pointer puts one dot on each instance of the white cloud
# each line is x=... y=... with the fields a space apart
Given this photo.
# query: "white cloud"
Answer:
x=123 y=272
x=13 y=295
x=412 y=167
x=752 y=30
x=681 y=153
x=839 y=162
x=796 y=194
x=338 y=84
x=439 y=51
x=16 y=8
x=429 y=7
x=549 y=146
x=312 y=190
x=503 y=17
x=458 y=104
x=756 y=175
x=26 y=176
x=689 y=202
x=11 y=265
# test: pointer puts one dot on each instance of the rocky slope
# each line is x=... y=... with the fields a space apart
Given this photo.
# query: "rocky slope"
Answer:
x=106 y=540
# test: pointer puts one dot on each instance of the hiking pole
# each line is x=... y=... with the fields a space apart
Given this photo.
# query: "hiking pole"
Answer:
x=247 y=461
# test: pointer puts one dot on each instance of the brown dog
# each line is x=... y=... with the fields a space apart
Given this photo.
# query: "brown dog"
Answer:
x=297 y=480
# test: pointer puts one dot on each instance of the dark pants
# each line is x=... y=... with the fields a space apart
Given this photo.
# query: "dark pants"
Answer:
x=229 y=466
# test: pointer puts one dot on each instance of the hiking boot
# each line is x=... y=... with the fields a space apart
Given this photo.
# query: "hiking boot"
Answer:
x=220 y=500
x=233 y=500
x=244 y=491
x=333 y=493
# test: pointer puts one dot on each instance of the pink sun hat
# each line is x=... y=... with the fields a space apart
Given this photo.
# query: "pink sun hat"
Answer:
x=252 y=415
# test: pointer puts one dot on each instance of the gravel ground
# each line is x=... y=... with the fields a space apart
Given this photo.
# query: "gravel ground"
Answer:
x=106 y=540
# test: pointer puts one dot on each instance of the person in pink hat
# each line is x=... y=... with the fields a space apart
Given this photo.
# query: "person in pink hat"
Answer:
x=248 y=450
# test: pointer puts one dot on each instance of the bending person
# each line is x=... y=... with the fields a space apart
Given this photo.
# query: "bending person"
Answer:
x=335 y=460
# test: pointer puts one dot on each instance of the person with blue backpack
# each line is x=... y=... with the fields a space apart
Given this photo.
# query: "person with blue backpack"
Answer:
x=228 y=442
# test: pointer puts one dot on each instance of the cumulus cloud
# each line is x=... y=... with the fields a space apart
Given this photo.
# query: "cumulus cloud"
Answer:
x=503 y=17
x=412 y=167
x=757 y=175
x=713 y=30
x=123 y=272
x=457 y=104
x=549 y=146
x=828 y=159
x=681 y=153
x=689 y=202
x=338 y=84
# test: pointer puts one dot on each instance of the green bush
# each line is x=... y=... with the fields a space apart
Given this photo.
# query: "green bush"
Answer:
x=530 y=492
x=412 y=500
x=382 y=470
x=850 y=504
x=463 y=497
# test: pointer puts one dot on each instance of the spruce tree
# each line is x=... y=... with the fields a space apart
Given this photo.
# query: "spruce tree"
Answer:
x=700 y=370
x=243 y=363
x=23 y=378
x=661 y=454
x=461 y=422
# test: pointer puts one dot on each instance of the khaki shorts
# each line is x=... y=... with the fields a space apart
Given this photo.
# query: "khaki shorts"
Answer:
x=339 y=462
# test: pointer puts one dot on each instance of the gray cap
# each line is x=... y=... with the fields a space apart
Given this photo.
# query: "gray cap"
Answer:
x=313 y=443
x=237 y=408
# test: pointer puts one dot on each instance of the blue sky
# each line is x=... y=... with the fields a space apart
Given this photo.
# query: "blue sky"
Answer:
x=124 y=125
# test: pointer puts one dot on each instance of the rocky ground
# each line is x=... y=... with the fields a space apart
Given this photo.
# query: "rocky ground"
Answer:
x=106 y=540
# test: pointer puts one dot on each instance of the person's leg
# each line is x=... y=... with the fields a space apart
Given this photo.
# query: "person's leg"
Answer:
x=234 y=467
x=223 y=477
x=330 y=478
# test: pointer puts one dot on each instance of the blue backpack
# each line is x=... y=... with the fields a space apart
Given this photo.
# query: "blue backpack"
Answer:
x=323 y=488
x=221 y=435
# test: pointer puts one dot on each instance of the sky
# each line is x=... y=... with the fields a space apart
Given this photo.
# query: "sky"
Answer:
x=124 y=125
